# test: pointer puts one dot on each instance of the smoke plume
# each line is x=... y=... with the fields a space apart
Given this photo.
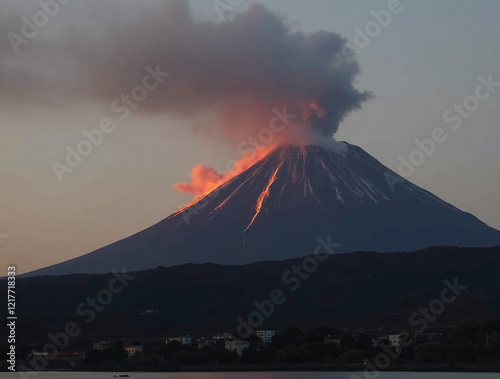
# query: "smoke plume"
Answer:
x=231 y=74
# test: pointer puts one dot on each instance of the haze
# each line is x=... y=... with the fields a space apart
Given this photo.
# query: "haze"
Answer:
x=430 y=56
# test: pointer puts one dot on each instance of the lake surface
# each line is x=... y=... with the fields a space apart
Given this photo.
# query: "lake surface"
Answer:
x=255 y=375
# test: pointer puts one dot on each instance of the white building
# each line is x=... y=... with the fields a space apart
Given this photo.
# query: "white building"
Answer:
x=184 y=340
x=223 y=337
x=332 y=340
x=237 y=346
x=102 y=345
x=265 y=335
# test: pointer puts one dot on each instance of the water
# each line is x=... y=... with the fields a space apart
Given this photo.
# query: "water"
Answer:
x=254 y=375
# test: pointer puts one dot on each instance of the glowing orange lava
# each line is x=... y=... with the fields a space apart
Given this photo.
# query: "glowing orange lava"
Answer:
x=264 y=195
x=197 y=200
x=205 y=178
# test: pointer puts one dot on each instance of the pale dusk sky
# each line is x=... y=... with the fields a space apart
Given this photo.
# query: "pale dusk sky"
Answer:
x=428 y=58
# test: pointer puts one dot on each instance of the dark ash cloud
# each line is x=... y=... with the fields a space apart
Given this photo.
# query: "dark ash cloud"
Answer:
x=236 y=71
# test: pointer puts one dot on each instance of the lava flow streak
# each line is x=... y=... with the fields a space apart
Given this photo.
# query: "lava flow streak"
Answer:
x=264 y=195
x=205 y=179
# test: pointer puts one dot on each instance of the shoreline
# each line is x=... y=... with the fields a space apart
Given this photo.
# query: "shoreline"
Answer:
x=452 y=368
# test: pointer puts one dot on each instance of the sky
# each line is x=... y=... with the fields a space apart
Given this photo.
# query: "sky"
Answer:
x=429 y=57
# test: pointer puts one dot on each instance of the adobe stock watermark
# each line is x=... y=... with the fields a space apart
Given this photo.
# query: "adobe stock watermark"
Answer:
x=393 y=179
x=264 y=137
x=372 y=29
x=30 y=27
x=455 y=116
x=294 y=277
x=227 y=8
x=122 y=106
x=87 y=311
x=421 y=319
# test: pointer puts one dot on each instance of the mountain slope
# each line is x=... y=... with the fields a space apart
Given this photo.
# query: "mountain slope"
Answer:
x=279 y=207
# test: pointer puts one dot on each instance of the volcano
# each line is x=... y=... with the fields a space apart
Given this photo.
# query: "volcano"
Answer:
x=279 y=207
